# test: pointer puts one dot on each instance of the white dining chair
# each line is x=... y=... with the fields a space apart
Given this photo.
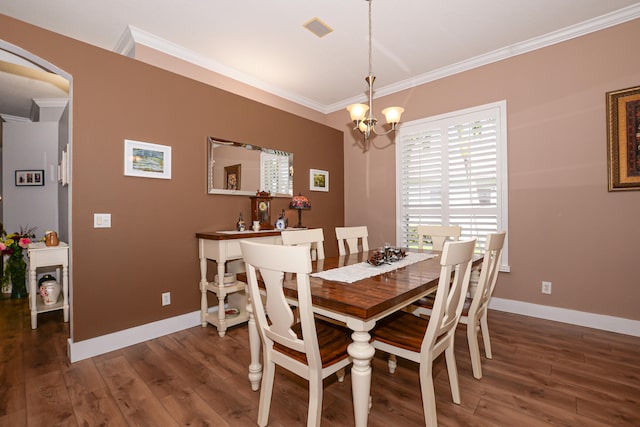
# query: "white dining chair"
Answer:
x=475 y=308
x=356 y=238
x=421 y=340
x=433 y=237
x=310 y=348
x=438 y=234
x=476 y=318
x=312 y=239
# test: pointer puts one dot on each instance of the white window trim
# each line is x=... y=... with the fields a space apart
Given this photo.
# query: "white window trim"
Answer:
x=501 y=167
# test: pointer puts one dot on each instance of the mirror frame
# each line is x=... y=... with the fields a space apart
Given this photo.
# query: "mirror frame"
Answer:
x=211 y=161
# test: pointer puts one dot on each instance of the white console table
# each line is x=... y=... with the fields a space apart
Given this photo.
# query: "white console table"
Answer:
x=223 y=246
x=41 y=255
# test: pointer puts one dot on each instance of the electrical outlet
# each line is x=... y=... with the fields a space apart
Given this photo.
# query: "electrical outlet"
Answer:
x=546 y=287
x=166 y=298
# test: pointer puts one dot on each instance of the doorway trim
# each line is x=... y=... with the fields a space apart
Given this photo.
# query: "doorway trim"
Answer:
x=40 y=62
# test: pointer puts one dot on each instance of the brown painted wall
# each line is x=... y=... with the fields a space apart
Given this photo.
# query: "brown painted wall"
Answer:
x=564 y=226
x=119 y=273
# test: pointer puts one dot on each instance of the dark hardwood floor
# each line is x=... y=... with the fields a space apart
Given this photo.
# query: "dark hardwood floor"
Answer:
x=543 y=373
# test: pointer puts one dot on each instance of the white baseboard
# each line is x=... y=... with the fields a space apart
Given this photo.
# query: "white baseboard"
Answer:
x=103 y=344
x=573 y=317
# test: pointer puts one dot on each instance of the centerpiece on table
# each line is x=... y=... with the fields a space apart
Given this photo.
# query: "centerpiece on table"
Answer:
x=15 y=268
x=386 y=255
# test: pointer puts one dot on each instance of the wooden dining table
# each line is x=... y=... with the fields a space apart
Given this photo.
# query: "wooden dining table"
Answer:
x=359 y=305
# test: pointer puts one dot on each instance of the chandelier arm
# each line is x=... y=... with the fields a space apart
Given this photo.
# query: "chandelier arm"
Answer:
x=393 y=128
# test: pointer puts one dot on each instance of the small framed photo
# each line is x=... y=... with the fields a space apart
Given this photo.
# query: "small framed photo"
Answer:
x=29 y=178
x=318 y=180
x=623 y=142
x=232 y=177
x=146 y=160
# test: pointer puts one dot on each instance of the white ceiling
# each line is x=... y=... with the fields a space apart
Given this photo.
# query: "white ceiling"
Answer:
x=264 y=43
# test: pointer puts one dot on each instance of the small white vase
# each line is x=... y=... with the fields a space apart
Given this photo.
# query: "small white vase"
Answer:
x=50 y=291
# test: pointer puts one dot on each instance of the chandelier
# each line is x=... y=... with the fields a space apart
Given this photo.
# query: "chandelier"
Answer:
x=362 y=115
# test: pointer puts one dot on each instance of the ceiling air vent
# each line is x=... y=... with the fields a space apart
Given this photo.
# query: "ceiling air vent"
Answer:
x=317 y=27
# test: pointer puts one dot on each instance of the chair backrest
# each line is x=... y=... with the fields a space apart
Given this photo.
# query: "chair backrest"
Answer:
x=438 y=234
x=351 y=235
x=272 y=262
x=488 y=273
x=312 y=239
x=455 y=272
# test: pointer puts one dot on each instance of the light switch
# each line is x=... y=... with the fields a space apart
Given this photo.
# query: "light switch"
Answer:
x=101 y=220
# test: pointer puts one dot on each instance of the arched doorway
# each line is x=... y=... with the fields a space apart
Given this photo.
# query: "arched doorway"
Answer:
x=36 y=112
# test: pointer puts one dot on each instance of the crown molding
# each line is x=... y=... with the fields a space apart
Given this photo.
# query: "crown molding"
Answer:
x=126 y=44
x=47 y=109
x=51 y=102
x=605 y=21
x=138 y=36
x=133 y=36
x=9 y=118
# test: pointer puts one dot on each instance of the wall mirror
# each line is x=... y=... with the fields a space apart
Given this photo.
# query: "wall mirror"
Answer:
x=244 y=169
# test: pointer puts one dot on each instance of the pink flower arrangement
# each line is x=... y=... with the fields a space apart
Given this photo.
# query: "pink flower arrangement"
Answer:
x=14 y=243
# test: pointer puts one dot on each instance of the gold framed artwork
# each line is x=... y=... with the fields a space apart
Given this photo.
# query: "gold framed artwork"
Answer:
x=623 y=139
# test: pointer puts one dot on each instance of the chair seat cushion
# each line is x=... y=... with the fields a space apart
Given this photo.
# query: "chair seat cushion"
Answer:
x=332 y=342
x=402 y=330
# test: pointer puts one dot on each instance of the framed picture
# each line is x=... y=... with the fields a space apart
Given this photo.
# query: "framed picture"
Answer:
x=147 y=160
x=623 y=139
x=232 y=177
x=29 y=178
x=318 y=180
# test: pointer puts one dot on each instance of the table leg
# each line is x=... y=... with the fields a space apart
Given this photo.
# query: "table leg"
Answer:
x=361 y=352
x=255 y=367
x=222 y=318
x=204 y=306
x=33 y=297
x=65 y=292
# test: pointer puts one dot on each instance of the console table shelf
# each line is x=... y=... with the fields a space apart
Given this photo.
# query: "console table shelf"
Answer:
x=223 y=246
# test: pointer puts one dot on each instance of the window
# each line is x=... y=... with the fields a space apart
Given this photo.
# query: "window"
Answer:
x=452 y=170
x=275 y=172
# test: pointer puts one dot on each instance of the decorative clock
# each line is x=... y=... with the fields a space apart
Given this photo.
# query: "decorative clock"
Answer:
x=261 y=209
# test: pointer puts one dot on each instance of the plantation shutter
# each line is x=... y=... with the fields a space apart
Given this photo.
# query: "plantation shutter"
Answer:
x=450 y=171
x=275 y=172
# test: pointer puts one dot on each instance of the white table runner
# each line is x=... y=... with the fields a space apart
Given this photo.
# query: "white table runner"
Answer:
x=353 y=273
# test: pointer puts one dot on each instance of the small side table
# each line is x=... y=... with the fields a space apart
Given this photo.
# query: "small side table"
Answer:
x=41 y=255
